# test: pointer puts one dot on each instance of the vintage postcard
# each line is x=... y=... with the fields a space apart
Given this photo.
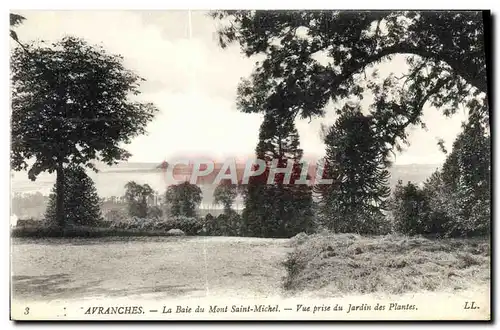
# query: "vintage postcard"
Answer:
x=250 y=165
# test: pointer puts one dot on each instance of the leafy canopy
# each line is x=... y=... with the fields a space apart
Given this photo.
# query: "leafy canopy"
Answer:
x=282 y=208
x=356 y=164
x=15 y=20
x=72 y=103
x=312 y=57
x=137 y=197
x=225 y=193
x=183 y=199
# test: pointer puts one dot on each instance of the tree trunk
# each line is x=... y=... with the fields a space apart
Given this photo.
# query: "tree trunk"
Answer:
x=60 y=216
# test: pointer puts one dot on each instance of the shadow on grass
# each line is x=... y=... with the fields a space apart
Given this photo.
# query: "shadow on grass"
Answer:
x=165 y=290
x=49 y=286
x=60 y=286
x=100 y=240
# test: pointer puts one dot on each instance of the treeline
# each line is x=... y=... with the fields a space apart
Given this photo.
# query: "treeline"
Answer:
x=456 y=200
x=144 y=209
x=290 y=82
x=29 y=205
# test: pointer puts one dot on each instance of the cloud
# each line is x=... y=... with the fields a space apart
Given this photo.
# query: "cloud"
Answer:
x=196 y=124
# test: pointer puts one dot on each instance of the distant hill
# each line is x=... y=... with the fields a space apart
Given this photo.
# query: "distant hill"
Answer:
x=110 y=181
x=416 y=173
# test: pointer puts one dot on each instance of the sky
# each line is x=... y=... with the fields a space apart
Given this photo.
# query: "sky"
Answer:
x=193 y=83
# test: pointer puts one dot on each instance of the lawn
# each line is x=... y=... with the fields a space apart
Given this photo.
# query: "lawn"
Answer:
x=321 y=264
x=146 y=267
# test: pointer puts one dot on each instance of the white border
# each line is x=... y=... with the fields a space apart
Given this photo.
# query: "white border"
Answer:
x=256 y=4
x=191 y=4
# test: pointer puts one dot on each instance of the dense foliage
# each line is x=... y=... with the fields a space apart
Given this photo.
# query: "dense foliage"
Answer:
x=278 y=206
x=183 y=199
x=81 y=202
x=356 y=163
x=455 y=201
x=225 y=193
x=226 y=224
x=137 y=197
x=71 y=104
x=15 y=20
x=311 y=57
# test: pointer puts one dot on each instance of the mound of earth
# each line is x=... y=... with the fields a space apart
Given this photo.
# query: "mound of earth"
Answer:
x=350 y=263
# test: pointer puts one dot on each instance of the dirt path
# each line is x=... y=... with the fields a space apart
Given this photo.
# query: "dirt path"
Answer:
x=147 y=268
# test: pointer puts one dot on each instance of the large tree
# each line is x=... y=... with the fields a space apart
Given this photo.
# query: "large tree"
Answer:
x=466 y=179
x=445 y=52
x=137 y=197
x=456 y=200
x=228 y=223
x=225 y=193
x=183 y=199
x=72 y=103
x=278 y=207
x=356 y=163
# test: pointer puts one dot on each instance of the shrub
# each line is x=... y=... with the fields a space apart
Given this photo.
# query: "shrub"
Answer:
x=366 y=222
x=229 y=224
x=80 y=231
x=116 y=223
x=115 y=215
x=409 y=206
x=223 y=225
x=155 y=212
x=189 y=225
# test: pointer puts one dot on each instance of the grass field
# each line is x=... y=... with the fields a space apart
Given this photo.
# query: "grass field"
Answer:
x=184 y=267
x=146 y=267
x=336 y=265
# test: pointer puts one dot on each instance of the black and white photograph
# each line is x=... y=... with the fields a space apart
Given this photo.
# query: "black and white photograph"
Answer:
x=245 y=165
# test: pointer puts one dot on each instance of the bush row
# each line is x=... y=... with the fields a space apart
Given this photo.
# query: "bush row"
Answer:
x=80 y=231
